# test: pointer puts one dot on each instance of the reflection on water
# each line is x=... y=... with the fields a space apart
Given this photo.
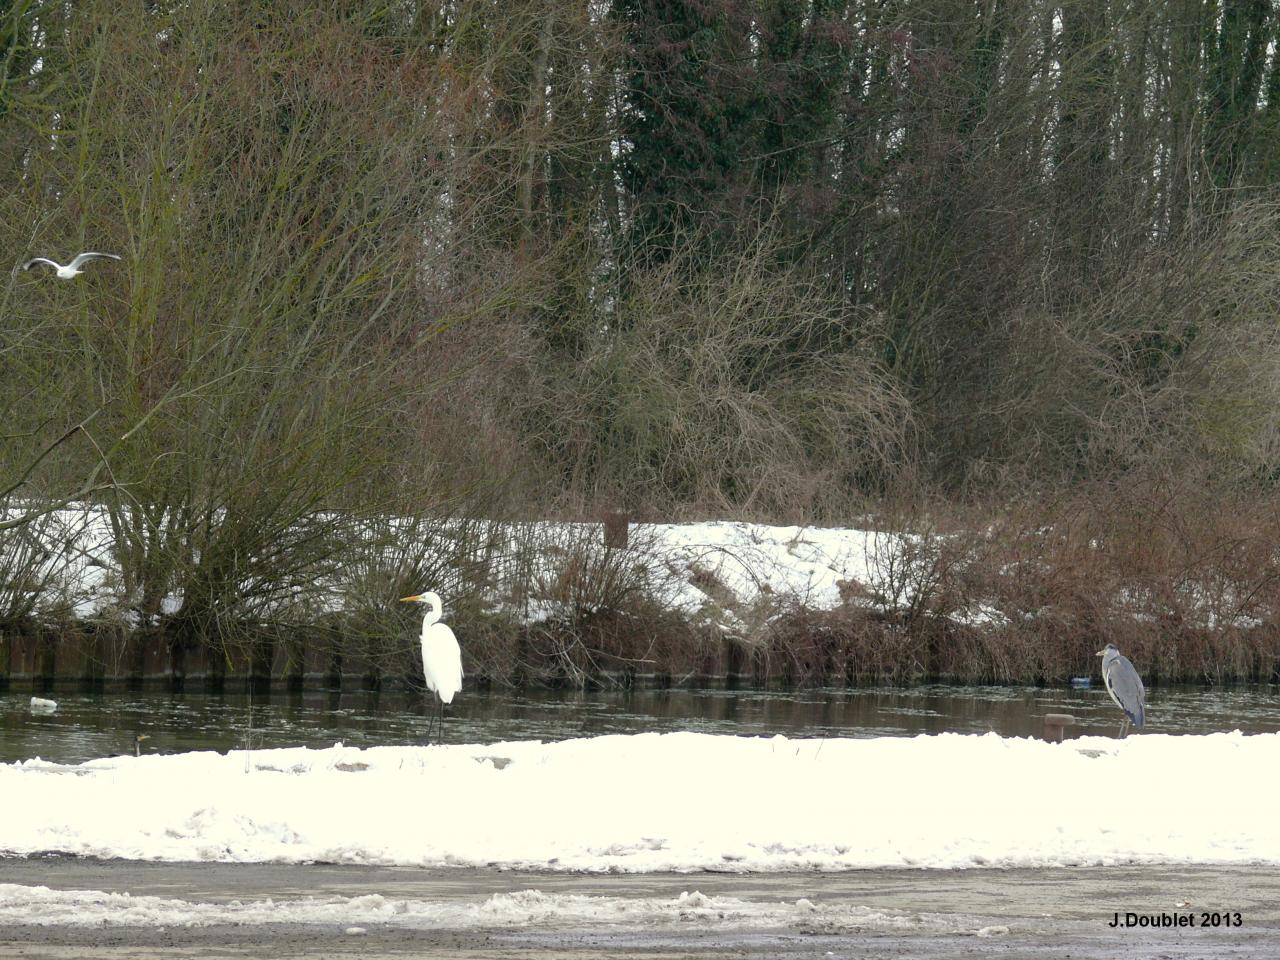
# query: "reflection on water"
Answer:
x=88 y=725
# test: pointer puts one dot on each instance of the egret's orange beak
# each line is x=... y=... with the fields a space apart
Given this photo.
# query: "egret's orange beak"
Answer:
x=416 y=596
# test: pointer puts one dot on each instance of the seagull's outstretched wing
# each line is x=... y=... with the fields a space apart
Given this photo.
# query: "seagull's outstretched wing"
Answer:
x=90 y=255
x=34 y=260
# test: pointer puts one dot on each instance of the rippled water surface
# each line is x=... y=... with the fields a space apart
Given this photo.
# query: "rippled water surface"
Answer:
x=87 y=725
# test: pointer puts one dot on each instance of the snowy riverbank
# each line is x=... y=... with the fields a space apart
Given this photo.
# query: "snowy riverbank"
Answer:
x=551 y=601
x=670 y=802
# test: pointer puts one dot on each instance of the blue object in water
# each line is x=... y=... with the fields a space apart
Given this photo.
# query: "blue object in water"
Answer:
x=1080 y=683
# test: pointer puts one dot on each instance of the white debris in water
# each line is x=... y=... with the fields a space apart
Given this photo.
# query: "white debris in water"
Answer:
x=41 y=705
x=622 y=803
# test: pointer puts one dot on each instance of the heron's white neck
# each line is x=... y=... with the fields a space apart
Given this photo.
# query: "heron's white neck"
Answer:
x=433 y=610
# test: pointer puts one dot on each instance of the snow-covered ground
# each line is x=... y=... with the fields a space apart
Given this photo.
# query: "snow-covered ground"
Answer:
x=523 y=909
x=716 y=571
x=732 y=576
x=679 y=801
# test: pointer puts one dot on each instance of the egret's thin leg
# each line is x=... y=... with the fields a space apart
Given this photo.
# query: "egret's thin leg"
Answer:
x=431 y=722
x=440 y=729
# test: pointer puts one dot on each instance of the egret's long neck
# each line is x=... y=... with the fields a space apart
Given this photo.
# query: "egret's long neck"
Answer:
x=432 y=614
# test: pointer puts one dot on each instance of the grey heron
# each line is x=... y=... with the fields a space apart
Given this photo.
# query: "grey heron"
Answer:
x=1124 y=685
x=72 y=269
x=441 y=656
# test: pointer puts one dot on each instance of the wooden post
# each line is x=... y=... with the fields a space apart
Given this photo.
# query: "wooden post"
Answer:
x=1055 y=723
x=615 y=529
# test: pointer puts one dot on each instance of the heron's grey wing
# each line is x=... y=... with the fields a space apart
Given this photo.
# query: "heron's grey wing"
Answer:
x=90 y=255
x=1109 y=674
x=1130 y=692
x=34 y=260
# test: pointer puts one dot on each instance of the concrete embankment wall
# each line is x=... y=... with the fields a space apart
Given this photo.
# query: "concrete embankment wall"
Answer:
x=39 y=657
x=805 y=649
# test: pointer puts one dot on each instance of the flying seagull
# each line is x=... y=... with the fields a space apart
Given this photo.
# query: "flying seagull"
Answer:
x=72 y=269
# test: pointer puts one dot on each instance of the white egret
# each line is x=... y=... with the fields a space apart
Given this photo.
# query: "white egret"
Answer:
x=441 y=656
x=72 y=269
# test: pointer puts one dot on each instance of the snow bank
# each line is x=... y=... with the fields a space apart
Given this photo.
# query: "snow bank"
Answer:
x=680 y=801
x=522 y=909
x=742 y=561
x=729 y=575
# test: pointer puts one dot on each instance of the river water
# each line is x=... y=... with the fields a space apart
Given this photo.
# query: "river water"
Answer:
x=96 y=724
